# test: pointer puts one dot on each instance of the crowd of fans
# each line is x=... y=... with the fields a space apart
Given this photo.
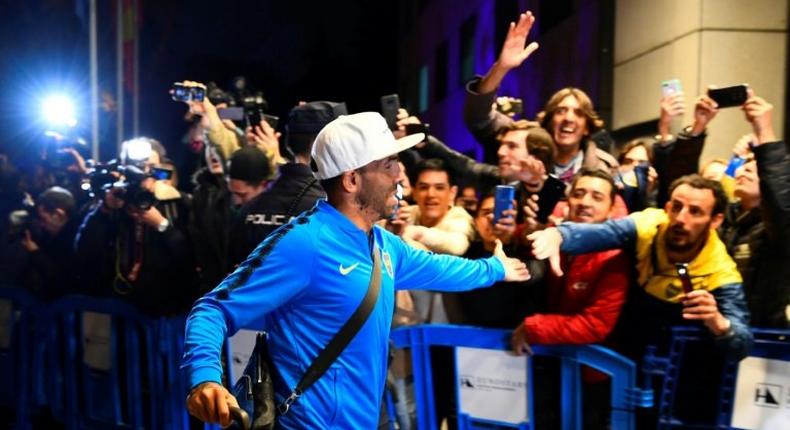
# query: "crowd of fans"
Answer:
x=639 y=241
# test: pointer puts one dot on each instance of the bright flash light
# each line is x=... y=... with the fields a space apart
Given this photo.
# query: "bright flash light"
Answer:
x=59 y=110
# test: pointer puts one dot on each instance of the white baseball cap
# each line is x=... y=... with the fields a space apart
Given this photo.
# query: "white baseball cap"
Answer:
x=353 y=141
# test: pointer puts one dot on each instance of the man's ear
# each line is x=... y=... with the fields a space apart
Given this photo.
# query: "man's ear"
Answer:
x=716 y=221
x=351 y=181
x=60 y=213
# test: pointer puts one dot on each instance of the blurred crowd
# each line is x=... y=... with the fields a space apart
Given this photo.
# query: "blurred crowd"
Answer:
x=622 y=240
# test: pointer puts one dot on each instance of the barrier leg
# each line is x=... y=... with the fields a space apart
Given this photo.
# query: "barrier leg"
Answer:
x=571 y=394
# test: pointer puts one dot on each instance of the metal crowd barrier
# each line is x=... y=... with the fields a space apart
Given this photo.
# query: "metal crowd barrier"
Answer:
x=626 y=395
x=754 y=393
x=92 y=362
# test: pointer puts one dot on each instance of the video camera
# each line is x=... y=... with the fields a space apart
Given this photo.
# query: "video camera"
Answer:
x=55 y=145
x=19 y=221
x=124 y=182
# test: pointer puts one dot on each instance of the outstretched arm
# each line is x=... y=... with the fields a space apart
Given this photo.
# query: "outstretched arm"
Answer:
x=513 y=53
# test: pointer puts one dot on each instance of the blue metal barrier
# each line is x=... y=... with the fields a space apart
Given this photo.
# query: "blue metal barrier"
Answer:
x=16 y=355
x=768 y=343
x=625 y=394
x=113 y=396
x=771 y=344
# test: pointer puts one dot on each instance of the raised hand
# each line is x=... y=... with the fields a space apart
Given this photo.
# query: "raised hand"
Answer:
x=704 y=111
x=758 y=113
x=513 y=50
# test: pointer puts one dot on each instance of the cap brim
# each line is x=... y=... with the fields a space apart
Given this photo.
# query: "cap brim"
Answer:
x=407 y=142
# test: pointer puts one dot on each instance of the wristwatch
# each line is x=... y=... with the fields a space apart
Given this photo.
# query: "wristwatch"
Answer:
x=163 y=225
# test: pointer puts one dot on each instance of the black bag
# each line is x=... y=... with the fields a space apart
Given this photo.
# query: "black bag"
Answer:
x=255 y=389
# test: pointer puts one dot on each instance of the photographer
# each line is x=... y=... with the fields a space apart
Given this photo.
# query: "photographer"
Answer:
x=48 y=242
x=127 y=248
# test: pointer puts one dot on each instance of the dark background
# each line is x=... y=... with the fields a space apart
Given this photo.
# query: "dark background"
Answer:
x=291 y=50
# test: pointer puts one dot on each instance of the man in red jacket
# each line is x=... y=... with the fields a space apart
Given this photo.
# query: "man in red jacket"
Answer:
x=585 y=302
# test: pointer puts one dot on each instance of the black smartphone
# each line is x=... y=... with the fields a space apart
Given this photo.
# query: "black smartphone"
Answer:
x=253 y=116
x=729 y=96
x=271 y=120
x=161 y=173
x=389 y=109
x=552 y=192
x=418 y=128
x=182 y=93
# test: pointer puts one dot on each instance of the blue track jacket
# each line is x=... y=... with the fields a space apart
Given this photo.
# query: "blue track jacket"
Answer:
x=302 y=284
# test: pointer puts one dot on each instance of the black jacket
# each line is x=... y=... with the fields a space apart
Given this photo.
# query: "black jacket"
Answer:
x=674 y=159
x=49 y=272
x=106 y=244
x=209 y=227
x=759 y=240
x=293 y=192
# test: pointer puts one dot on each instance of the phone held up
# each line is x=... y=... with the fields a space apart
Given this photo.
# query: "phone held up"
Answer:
x=389 y=109
x=552 y=192
x=670 y=87
x=183 y=93
x=503 y=200
x=735 y=95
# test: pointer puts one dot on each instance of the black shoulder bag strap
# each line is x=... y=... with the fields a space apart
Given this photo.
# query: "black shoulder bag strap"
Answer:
x=343 y=337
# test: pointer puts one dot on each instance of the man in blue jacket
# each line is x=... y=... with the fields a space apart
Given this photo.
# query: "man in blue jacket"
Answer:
x=309 y=276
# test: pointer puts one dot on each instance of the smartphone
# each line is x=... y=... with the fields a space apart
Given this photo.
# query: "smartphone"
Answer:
x=271 y=120
x=729 y=96
x=670 y=87
x=503 y=200
x=162 y=173
x=231 y=113
x=733 y=165
x=182 y=93
x=685 y=278
x=253 y=116
x=389 y=109
x=418 y=128
x=552 y=192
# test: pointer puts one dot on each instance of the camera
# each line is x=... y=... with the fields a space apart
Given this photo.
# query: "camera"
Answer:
x=124 y=182
x=55 y=145
x=19 y=221
x=183 y=93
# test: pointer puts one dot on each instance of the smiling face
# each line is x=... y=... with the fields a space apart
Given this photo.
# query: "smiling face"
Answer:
x=512 y=149
x=568 y=124
x=590 y=200
x=433 y=194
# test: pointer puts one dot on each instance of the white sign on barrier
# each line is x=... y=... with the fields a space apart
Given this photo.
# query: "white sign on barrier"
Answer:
x=492 y=385
x=762 y=395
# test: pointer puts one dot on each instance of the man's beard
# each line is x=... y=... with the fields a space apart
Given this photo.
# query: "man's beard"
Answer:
x=690 y=244
x=372 y=201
